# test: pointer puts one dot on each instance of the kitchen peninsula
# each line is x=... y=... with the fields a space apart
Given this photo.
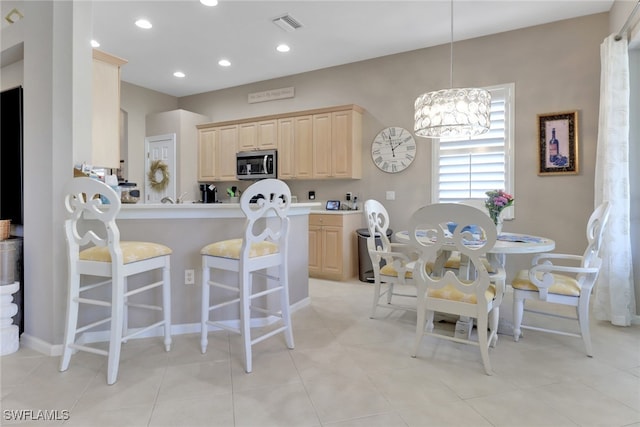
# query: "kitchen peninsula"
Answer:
x=188 y=227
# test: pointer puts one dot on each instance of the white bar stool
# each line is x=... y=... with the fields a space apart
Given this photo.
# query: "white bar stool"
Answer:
x=265 y=204
x=91 y=225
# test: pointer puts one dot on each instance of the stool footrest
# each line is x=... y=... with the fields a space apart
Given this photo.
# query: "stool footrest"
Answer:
x=267 y=335
x=145 y=329
x=92 y=325
x=89 y=349
x=143 y=288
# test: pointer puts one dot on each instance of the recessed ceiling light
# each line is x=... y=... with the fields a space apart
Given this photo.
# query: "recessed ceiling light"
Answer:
x=143 y=23
x=209 y=2
x=283 y=48
x=179 y=74
x=224 y=63
x=94 y=43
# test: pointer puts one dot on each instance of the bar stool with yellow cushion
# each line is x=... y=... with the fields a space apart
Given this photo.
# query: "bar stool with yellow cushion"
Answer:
x=562 y=279
x=476 y=297
x=94 y=249
x=397 y=257
x=263 y=248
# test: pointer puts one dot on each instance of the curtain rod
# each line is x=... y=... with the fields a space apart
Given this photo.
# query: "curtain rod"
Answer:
x=626 y=24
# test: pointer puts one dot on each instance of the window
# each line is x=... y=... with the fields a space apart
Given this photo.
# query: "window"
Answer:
x=467 y=168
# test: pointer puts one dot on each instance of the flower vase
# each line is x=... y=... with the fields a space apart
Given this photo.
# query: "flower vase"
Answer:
x=499 y=226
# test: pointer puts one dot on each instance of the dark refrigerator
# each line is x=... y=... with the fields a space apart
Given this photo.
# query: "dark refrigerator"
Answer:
x=11 y=180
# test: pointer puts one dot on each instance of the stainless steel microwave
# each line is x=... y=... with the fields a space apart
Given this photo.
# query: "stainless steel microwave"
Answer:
x=254 y=165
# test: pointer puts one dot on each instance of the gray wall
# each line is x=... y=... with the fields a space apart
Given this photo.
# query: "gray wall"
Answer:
x=555 y=67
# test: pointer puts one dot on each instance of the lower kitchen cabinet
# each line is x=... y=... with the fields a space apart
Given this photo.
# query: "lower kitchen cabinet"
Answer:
x=333 y=250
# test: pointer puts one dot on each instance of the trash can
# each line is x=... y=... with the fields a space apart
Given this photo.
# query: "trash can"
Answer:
x=365 y=268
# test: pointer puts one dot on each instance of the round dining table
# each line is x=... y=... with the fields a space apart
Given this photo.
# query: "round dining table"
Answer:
x=507 y=243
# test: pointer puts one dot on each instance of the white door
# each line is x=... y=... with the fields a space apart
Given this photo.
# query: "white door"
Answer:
x=161 y=164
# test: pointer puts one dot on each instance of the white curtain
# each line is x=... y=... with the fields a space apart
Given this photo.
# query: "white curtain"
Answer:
x=614 y=299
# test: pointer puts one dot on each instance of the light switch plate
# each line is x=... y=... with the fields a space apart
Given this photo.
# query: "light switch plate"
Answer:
x=391 y=195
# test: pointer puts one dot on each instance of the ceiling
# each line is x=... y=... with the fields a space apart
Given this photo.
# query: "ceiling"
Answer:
x=190 y=37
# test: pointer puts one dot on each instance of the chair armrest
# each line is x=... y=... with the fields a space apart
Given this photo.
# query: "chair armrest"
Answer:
x=547 y=280
x=406 y=249
x=538 y=259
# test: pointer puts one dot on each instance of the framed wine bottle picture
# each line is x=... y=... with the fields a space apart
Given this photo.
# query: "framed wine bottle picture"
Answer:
x=558 y=143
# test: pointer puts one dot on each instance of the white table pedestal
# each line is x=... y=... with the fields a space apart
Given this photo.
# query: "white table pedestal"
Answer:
x=9 y=333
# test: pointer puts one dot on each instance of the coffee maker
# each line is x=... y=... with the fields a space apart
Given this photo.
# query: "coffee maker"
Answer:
x=208 y=193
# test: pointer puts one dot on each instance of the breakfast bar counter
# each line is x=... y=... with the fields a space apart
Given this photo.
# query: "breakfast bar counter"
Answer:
x=188 y=227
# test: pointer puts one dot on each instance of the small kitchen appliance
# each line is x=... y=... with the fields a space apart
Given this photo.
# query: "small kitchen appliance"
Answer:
x=209 y=193
x=255 y=165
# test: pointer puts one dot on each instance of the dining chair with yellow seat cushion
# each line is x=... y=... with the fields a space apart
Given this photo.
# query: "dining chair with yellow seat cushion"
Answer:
x=563 y=279
x=262 y=252
x=94 y=248
x=392 y=262
x=446 y=292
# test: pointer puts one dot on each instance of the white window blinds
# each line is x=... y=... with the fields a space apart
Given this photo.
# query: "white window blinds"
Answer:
x=467 y=168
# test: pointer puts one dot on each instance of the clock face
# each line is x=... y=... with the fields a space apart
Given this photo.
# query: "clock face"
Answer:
x=393 y=149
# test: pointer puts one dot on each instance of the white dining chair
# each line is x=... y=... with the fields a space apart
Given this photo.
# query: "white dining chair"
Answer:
x=264 y=246
x=445 y=291
x=392 y=262
x=563 y=279
x=94 y=248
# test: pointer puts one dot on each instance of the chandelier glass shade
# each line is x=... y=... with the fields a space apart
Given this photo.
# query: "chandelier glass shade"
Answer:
x=456 y=112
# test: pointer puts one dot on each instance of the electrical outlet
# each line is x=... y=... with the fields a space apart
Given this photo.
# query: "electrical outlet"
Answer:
x=391 y=195
x=189 y=277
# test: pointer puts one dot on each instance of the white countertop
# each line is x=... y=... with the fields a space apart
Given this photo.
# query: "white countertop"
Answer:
x=196 y=210
x=338 y=212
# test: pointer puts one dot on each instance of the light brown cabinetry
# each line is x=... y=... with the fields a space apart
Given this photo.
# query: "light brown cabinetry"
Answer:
x=262 y=135
x=217 y=147
x=312 y=144
x=322 y=145
x=105 y=139
x=332 y=245
x=337 y=144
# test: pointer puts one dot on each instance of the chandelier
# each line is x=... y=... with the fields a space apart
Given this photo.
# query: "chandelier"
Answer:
x=454 y=112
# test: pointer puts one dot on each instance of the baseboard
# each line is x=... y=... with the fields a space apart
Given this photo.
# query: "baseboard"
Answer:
x=49 y=349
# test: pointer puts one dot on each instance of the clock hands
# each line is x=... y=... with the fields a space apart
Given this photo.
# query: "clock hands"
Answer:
x=393 y=149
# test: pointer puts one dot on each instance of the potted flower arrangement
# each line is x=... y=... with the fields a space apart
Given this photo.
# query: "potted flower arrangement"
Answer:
x=497 y=201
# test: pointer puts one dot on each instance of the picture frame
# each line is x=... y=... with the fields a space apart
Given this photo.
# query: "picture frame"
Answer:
x=558 y=143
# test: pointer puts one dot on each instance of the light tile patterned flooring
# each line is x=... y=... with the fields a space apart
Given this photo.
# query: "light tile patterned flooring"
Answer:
x=346 y=370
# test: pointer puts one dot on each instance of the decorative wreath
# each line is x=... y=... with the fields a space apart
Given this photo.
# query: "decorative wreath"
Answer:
x=158 y=166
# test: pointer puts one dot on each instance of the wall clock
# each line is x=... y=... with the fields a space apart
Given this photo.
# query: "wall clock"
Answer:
x=393 y=149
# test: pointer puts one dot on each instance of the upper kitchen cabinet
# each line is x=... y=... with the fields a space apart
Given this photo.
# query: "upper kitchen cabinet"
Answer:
x=217 y=147
x=262 y=135
x=105 y=151
x=295 y=147
x=324 y=143
x=337 y=142
x=346 y=143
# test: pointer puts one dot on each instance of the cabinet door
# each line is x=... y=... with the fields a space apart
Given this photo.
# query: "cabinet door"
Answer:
x=303 y=146
x=267 y=134
x=341 y=144
x=105 y=145
x=332 y=250
x=315 y=249
x=247 y=136
x=322 y=145
x=286 y=147
x=207 y=143
x=227 y=148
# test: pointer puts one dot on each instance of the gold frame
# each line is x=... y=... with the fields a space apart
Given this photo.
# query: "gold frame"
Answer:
x=565 y=161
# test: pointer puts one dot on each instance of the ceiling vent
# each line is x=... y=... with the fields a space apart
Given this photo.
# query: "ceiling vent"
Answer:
x=287 y=23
